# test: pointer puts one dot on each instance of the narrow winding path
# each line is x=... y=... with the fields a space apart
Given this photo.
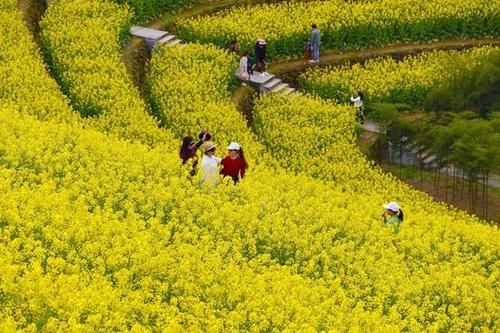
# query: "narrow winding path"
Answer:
x=290 y=69
x=32 y=11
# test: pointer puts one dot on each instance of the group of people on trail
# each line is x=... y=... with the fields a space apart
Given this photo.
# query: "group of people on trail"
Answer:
x=247 y=64
x=234 y=165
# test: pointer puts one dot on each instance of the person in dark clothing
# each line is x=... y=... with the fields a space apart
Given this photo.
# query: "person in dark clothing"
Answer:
x=251 y=65
x=189 y=147
x=260 y=56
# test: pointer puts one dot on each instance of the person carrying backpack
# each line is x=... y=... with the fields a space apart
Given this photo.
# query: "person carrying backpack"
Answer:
x=315 y=42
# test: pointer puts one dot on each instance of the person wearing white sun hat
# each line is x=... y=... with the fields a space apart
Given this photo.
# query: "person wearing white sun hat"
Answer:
x=209 y=165
x=393 y=215
x=234 y=164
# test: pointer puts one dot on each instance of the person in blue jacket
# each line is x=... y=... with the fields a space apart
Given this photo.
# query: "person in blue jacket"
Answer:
x=315 y=42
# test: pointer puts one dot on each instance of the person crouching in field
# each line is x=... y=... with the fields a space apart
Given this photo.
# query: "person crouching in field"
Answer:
x=234 y=164
x=209 y=165
x=393 y=215
x=189 y=147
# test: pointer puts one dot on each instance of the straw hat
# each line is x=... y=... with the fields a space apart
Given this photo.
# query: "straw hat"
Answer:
x=208 y=145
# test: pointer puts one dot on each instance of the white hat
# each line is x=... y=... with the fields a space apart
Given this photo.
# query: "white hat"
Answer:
x=261 y=41
x=233 y=146
x=392 y=206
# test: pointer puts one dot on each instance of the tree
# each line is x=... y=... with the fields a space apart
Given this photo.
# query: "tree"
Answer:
x=477 y=89
x=477 y=152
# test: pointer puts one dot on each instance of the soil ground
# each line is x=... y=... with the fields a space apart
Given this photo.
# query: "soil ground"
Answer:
x=289 y=70
x=135 y=56
x=243 y=98
x=32 y=11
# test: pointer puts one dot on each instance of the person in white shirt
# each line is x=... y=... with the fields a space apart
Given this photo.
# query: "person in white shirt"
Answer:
x=358 y=102
x=243 y=69
x=209 y=165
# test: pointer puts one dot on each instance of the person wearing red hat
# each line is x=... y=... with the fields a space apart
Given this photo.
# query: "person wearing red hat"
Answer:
x=234 y=164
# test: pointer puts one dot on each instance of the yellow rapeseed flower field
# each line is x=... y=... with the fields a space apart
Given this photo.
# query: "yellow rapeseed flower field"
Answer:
x=24 y=80
x=85 y=54
x=343 y=24
x=388 y=80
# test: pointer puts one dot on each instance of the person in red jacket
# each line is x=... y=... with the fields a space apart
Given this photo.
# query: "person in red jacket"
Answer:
x=234 y=165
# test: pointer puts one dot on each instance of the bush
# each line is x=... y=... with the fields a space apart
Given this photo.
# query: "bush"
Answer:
x=473 y=88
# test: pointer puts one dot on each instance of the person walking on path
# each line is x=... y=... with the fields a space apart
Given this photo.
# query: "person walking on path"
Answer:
x=189 y=147
x=393 y=215
x=260 y=55
x=209 y=165
x=315 y=42
x=243 y=73
x=234 y=165
x=358 y=102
